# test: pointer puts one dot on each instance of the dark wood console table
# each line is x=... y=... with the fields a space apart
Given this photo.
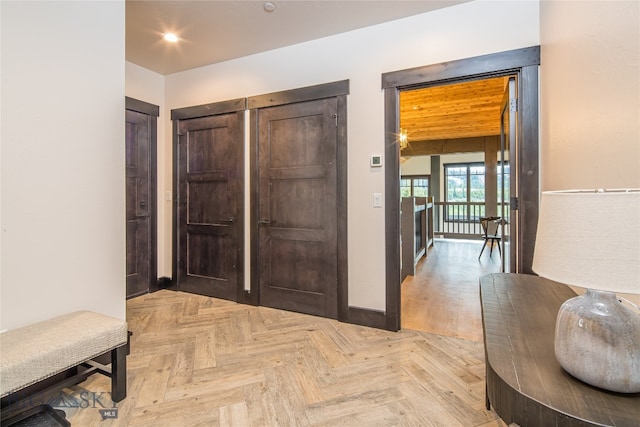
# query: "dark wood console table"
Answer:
x=525 y=383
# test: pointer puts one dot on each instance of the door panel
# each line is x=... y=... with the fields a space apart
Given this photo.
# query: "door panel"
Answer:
x=138 y=203
x=506 y=180
x=297 y=207
x=208 y=247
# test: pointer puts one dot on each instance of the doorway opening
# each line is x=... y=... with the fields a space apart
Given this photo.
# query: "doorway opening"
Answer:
x=455 y=161
x=522 y=130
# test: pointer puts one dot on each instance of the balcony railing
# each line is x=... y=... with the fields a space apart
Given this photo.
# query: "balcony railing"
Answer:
x=460 y=220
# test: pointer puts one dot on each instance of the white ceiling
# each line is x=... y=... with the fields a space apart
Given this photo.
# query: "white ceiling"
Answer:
x=213 y=31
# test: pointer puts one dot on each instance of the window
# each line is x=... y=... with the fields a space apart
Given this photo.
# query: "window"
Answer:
x=507 y=182
x=414 y=186
x=464 y=182
x=465 y=190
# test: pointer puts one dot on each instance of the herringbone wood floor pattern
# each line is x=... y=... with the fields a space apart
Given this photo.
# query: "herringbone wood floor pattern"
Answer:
x=199 y=361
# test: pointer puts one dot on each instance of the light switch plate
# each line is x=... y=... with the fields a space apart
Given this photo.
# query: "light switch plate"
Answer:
x=376 y=161
x=377 y=200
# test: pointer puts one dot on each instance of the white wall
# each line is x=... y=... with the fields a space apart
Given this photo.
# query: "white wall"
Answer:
x=462 y=31
x=590 y=92
x=62 y=194
x=590 y=95
x=416 y=165
x=461 y=158
x=148 y=86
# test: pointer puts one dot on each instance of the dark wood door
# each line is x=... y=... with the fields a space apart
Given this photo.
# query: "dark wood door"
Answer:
x=139 y=203
x=209 y=205
x=297 y=219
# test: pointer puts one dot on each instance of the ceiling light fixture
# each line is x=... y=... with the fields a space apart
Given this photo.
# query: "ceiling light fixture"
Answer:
x=403 y=138
x=269 y=7
x=170 y=37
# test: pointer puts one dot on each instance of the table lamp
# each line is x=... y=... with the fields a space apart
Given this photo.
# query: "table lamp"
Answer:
x=591 y=239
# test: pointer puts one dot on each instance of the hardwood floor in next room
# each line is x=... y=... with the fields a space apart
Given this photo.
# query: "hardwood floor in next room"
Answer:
x=443 y=297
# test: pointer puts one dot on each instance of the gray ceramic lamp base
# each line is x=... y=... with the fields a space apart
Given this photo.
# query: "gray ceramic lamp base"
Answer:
x=598 y=341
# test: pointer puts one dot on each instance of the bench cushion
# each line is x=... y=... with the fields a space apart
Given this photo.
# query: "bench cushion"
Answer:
x=32 y=353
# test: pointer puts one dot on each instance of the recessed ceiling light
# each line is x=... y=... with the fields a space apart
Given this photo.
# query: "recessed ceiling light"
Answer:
x=170 y=37
x=269 y=7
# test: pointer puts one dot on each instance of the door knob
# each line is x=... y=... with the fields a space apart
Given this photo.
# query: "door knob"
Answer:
x=143 y=204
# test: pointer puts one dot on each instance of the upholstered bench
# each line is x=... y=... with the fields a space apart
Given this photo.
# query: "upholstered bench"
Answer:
x=36 y=352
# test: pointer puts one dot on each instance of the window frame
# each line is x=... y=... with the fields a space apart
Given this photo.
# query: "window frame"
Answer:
x=499 y=168
x=411 y=178
x=468 y=166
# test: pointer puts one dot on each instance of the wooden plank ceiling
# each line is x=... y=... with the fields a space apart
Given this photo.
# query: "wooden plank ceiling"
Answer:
x=462 y=111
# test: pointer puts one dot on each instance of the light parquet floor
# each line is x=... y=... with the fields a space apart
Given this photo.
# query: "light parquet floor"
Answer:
x=199 y=361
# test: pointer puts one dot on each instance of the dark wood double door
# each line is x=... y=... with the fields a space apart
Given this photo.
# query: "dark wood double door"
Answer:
x=294 y=203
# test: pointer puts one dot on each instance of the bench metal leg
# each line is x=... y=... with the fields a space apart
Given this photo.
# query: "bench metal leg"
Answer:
x=119 y=373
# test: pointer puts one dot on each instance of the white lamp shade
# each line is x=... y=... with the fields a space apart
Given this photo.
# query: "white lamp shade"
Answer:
x=590 y=239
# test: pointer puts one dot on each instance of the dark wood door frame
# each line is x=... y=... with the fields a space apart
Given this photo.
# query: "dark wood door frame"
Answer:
x=224 y=107
x=522 y=62
x=340 y=90
x=153 y=111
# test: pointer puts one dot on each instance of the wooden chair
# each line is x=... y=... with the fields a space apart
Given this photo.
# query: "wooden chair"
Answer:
x=490 y=226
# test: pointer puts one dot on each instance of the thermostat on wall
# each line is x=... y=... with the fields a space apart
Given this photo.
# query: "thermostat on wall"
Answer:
x=376 y=160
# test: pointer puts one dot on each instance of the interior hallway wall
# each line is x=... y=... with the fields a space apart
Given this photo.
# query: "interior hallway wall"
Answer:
x=590 y=90
x=457 y=32
x=62 y=165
